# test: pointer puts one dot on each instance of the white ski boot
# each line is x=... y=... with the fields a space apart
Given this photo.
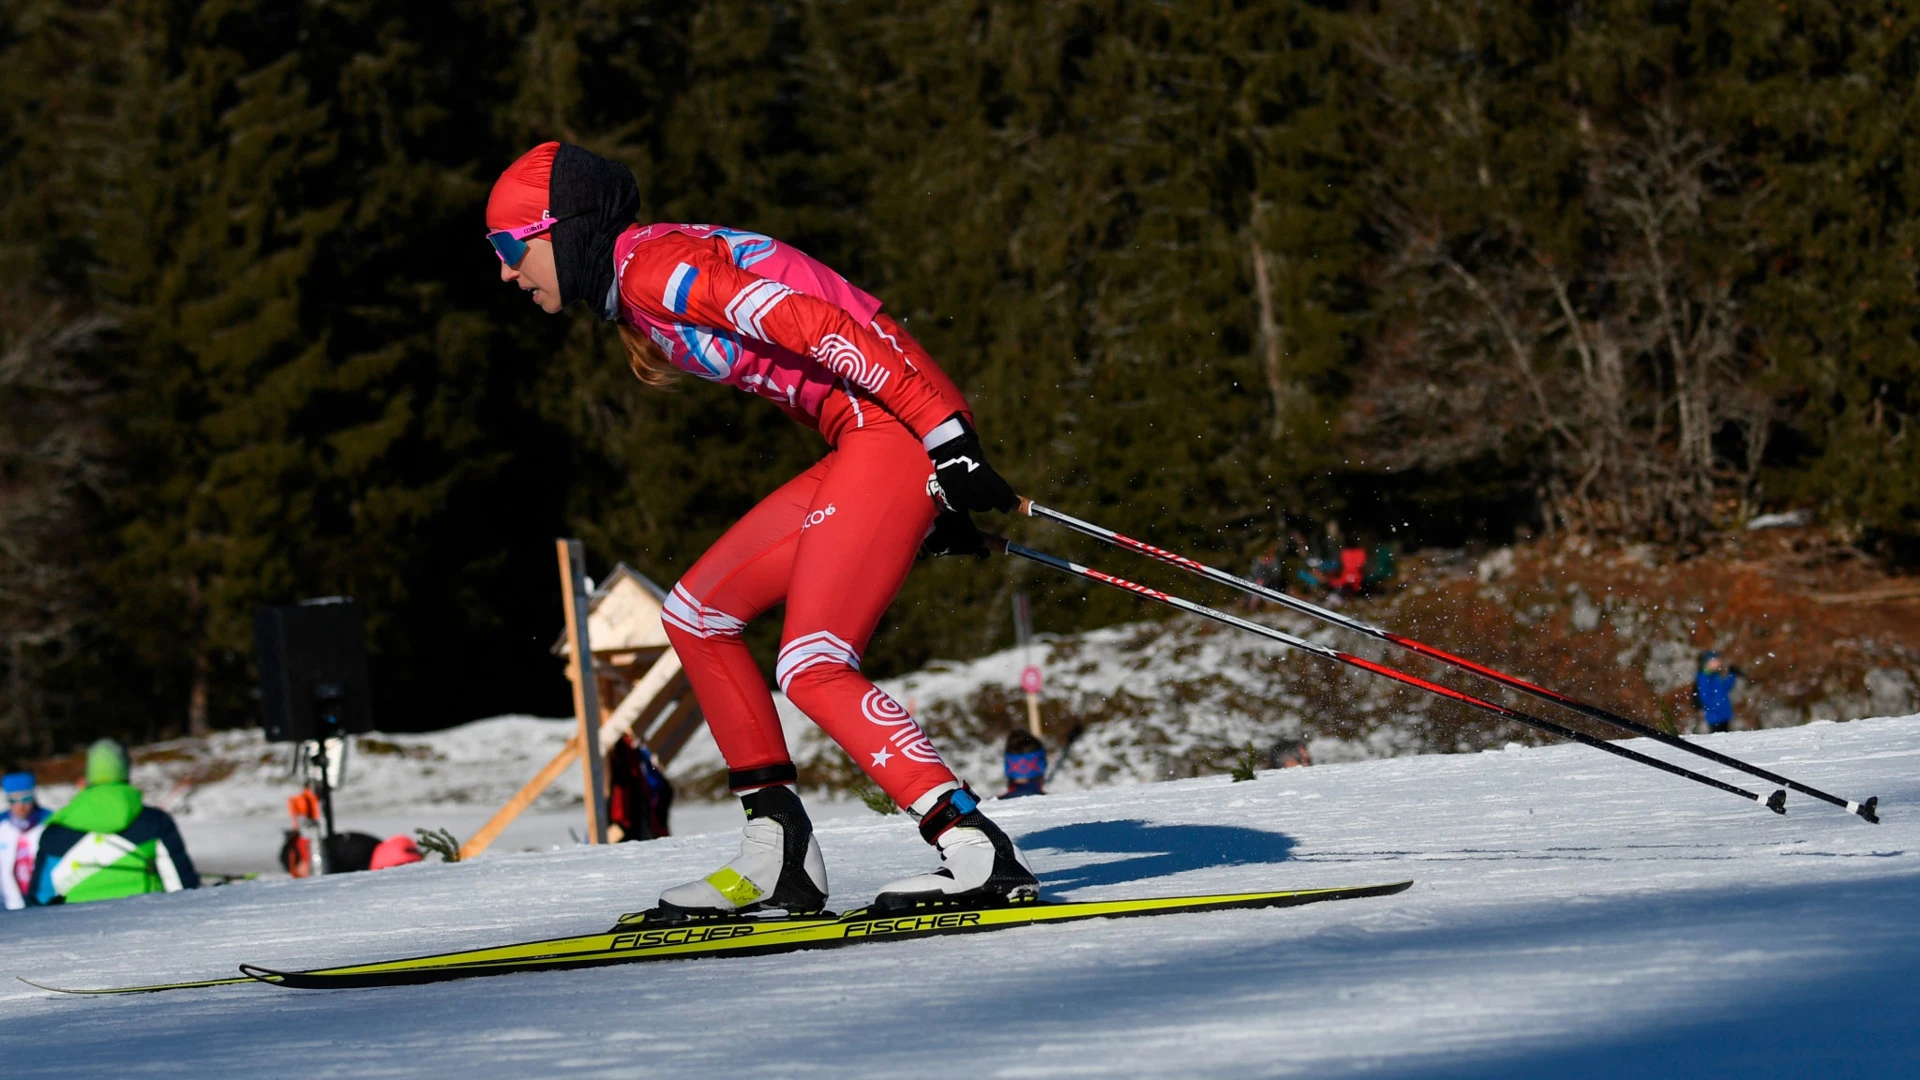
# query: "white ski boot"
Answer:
x=979 y=865
x=779 y=865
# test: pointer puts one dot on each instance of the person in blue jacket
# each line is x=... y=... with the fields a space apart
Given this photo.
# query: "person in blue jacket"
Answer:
x=1713 y=690
x=107 y=843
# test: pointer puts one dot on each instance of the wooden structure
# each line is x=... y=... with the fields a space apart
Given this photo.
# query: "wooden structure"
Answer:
x=633 y=665
x=586 y=690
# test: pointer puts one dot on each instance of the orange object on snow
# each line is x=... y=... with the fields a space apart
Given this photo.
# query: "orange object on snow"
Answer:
x=304 y=807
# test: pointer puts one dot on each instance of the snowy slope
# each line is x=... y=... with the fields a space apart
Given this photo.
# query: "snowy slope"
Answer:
x=229 y=791
x=1574 y=915
x=1156 y=700
x=1164 y=699
x=1174 y=697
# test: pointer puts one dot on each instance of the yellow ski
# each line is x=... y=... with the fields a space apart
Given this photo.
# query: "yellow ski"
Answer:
x=751 y=937
x=637 y=938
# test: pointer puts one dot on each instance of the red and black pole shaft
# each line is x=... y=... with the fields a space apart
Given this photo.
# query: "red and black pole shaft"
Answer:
x=1776 y=802
x=1867 y=809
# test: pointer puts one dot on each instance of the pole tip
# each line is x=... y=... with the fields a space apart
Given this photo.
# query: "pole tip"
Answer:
x=1869 y=809
x=1777 y=802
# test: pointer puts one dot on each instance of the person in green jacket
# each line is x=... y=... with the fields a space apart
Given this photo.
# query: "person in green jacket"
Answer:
x=106 y=843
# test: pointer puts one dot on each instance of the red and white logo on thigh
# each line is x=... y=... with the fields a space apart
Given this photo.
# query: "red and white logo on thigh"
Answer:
x=818 y=517
x=881 y=709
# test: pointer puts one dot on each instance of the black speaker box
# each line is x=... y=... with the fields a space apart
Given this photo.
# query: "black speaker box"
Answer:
x=313 y=670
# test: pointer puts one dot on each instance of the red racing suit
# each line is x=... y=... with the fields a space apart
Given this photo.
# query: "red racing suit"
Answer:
x=836 y=542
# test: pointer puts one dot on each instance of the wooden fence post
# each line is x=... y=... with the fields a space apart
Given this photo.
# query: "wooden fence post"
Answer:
x=586 y=692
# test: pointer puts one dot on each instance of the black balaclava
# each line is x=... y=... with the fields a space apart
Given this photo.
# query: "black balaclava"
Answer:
x=596 y=200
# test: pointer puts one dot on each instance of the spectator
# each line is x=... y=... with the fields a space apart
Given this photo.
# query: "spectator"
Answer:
x=1318 y=574
x=639 y=796
x=106 y=843
x=347 y=853
x=1288 y=754
x=1351 y=577
x=1026 y=765
x=1360 y=571
x=19 y=838
x=1713 y=691
x=1266 y=570
x=1380 y=568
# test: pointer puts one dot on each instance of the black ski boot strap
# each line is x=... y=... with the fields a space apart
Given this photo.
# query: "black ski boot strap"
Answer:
x=744 y=781
x=947 y=813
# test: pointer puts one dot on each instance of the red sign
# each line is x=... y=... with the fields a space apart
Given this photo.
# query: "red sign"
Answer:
x=1030 y=679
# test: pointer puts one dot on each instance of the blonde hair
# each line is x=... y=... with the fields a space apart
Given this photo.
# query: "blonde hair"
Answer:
x=648 y=361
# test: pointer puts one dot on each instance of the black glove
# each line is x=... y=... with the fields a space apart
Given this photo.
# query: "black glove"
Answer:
x=963 y=479
x=953 y=534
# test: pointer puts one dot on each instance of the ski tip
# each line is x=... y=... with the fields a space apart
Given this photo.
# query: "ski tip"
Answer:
x=265 y=975
x=1777 y=802
x=75 y=992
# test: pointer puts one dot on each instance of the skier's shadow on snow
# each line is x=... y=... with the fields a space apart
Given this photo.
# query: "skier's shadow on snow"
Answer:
x=1158 y=850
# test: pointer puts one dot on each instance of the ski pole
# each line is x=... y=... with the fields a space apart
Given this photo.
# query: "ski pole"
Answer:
x=1776 y=802
x=1867 y=809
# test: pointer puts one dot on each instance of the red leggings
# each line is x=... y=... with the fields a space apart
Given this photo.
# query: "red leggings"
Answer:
x=835 y=543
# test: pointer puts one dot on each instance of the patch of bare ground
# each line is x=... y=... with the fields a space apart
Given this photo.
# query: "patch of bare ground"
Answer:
x=1820 y=631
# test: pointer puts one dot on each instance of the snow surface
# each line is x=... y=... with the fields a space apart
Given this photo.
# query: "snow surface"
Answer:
x=1574 y=915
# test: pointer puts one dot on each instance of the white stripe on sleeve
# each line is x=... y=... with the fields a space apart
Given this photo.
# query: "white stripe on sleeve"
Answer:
x=749 y=307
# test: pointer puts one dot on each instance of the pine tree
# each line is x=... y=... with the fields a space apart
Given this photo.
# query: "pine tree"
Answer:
x=1207 y=271
x=1072 y=206
x=307 y=389
x=1823 y=95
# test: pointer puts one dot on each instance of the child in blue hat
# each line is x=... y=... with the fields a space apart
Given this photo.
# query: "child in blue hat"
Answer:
x=1026 y=765
x=19 y=837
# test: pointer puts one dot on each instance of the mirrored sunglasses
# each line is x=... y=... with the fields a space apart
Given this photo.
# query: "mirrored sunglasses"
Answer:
x=511 y=244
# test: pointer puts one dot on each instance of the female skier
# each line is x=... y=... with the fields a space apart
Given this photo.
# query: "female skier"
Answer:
x=903 y=467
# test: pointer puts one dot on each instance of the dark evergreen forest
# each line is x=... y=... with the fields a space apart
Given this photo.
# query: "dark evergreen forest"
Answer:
x=1216 y=273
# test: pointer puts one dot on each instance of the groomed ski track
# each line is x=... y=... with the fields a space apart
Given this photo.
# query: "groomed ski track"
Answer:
x=1573 y=916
